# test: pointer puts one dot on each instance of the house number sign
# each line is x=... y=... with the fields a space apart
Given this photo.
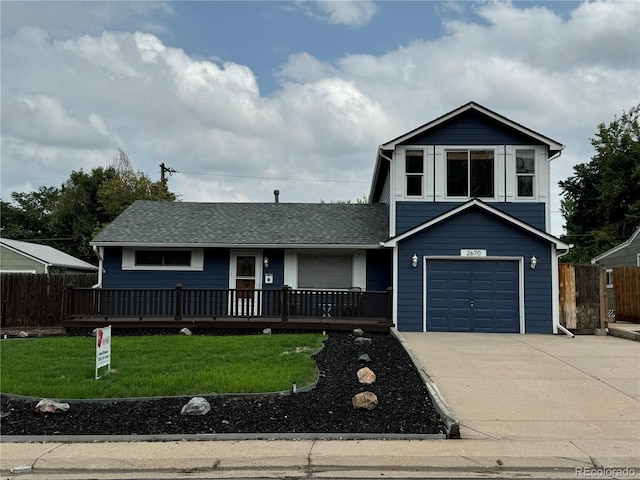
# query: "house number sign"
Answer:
x=472 y=252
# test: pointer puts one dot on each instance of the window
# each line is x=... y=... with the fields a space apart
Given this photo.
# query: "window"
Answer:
x=414 y=170
x=161 y=259
x=324 y=272
x=609 y=277
x=470 y=173
x=525 y=172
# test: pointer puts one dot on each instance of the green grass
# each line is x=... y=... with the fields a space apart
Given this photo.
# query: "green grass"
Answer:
x=64 y=367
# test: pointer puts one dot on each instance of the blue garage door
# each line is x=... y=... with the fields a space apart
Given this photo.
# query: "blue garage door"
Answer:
x=472 y=296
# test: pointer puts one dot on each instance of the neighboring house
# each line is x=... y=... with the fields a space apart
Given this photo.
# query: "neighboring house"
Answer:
x=627 y=254
x=456 y=225
x=26 y=257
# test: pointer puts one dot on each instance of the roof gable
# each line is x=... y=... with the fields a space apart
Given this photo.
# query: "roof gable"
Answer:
x=46 y=255
x=247 y=224
x=636 y=235
x=496 y=121
x=475 y=203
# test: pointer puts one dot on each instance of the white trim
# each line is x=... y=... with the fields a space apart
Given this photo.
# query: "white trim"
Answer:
x=555 y=291
x=32 y=272
x=197 y=260
x=148 y=246
x=552 y=144
x=392 y=242
x=638 y=260
x=521 y=288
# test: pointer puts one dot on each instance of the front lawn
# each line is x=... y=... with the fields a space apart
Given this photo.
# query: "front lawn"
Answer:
x=145 y=366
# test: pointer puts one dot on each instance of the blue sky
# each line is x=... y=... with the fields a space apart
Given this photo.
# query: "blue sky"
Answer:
x=245 y=97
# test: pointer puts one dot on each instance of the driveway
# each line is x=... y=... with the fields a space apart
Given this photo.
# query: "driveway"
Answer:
x=535 y=387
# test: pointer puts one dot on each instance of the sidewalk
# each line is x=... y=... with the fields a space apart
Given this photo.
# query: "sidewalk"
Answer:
x=538 y=406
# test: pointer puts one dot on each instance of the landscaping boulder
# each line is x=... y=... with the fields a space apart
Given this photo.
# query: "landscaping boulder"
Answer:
x=362 y=341
x=364 y=358
x=267 y=331
x=196 y=406
x=23 y=334
x=366 y=375
x=185 y=331
x=358 y=332
x=367 y=400
x=51 y=406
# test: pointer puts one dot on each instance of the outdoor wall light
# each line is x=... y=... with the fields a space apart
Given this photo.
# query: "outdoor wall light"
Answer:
x=534 y=262
x=414 y=261
x=266 y=262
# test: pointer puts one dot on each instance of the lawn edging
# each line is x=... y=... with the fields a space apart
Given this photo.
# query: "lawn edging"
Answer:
x=449 y=420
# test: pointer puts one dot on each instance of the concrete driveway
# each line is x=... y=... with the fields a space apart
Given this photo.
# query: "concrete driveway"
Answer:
x=535 y=387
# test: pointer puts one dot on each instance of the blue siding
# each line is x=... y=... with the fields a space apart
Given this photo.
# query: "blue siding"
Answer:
x=379 y=268
x=476 y=229
x=471 y=128
x=412 y=214
x=214 y=275
x=276 y=268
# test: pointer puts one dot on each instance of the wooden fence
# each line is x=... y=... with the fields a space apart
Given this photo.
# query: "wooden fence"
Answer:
x=36 y=300
x=579 y=296
x=626 y=291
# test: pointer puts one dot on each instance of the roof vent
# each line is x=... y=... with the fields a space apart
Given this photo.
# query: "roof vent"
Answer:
x=276 y=193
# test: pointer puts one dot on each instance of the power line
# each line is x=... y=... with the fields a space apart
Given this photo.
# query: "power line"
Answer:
x=275 y=178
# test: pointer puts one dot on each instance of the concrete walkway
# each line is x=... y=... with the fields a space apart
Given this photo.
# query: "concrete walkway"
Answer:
x=529 y=405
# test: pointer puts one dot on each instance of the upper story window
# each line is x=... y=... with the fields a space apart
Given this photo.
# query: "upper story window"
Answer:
x=525 y=172
x=414 y=172
x=470 y=173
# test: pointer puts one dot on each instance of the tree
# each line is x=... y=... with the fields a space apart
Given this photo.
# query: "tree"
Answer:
x=601 y=204
x=67 y=218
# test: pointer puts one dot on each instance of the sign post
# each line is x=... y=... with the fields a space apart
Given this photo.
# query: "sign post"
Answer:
x=103 y=349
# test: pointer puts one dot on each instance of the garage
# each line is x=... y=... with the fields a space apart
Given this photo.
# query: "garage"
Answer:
x=479 y=295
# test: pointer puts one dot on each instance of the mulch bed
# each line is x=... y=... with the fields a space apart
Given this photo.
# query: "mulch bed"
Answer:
x=404 y=406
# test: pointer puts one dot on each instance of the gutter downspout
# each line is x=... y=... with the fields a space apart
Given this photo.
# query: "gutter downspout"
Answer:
x=99 y=253
x=558 y=257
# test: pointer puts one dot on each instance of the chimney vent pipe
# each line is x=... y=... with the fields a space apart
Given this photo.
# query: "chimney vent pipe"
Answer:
x=276 y=193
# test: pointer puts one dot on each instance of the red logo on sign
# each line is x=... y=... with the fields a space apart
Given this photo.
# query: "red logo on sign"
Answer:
x=99 y=338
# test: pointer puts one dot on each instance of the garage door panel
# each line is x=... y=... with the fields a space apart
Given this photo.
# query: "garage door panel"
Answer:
x=481 y=295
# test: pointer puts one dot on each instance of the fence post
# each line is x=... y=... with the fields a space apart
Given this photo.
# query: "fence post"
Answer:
x=390 y=304
x=286 y=301
x=603 y=298
x=66 y=301
x=178 y=315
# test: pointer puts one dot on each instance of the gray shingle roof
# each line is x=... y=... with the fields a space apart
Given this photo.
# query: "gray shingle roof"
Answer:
x=167 y=223
x=48 y=255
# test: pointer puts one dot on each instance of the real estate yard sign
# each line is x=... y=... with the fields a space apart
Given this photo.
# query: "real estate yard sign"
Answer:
x=103 y=349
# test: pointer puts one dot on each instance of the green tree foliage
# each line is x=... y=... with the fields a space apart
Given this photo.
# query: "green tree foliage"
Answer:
x=67 y=218
x=601 y=204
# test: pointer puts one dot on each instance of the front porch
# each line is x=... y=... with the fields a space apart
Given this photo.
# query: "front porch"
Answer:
x=279 y=309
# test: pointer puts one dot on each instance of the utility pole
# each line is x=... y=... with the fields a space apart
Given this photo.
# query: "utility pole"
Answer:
x=163 y=170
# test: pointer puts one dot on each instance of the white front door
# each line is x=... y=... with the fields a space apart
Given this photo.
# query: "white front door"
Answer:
x=245 y=277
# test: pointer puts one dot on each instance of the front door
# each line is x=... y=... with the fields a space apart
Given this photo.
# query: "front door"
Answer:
x=244 y=281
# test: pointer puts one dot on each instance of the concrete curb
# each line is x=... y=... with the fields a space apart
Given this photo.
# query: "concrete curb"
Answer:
x=451 y=423
x=624 y=333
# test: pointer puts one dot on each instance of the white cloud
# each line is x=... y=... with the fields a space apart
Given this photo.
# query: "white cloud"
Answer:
x=69 y=103
x=348 y=12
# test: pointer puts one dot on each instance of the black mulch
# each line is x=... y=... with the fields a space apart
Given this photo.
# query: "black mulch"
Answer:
x=404 y=406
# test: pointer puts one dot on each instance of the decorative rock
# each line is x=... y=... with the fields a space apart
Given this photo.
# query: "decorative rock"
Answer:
x=366 y=400
x=23 y=334
x=358 y=332
x=364 y=358
x=362 y=341
x=185 y=331
x=196 y=406
x=51 y=406
x=365 y=375
x=267 y=331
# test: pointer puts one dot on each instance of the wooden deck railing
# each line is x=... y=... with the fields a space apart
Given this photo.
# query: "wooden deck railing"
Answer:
x=179 y=303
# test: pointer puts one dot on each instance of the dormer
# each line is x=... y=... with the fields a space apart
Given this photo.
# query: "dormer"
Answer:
x=471 y=152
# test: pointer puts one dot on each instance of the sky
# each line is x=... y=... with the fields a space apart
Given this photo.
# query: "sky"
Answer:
x=242 y=98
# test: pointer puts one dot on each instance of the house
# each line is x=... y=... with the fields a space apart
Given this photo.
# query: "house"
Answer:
x=627 y=254
x=26 y=257
x=456 y=229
